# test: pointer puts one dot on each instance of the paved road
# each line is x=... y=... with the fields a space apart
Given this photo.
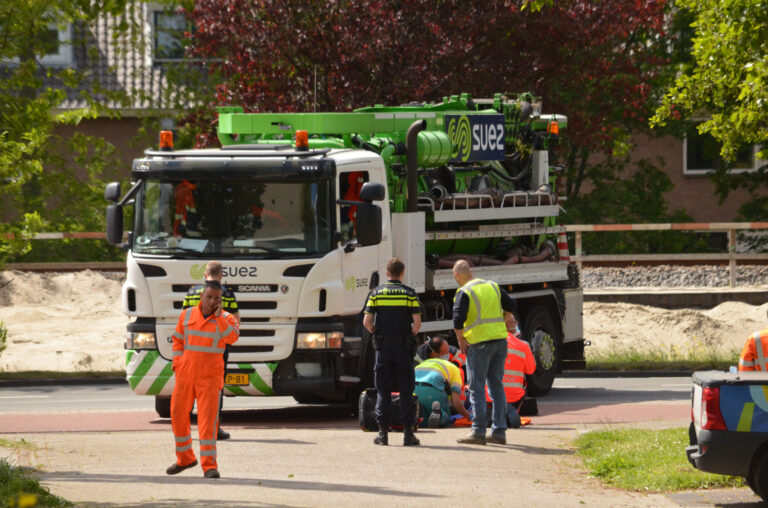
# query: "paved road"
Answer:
x=110 y=396
x=286 y=454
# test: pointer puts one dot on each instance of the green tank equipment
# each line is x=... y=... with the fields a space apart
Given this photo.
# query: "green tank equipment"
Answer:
x=478 y=161
x=434 y=148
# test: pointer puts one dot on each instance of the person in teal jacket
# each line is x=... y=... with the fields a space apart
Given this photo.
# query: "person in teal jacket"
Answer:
x=438 y=384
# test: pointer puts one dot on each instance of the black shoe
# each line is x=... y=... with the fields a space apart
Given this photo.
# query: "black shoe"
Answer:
x=383 y=437
x=212 y=473
x=409 y=439
x=222 y=435
x=176 y=469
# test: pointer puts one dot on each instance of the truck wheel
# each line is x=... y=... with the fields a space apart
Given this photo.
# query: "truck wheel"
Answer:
x=758 y=478
x=308 y=398
x=543 y=336
x=365 y=373
x=163 y=407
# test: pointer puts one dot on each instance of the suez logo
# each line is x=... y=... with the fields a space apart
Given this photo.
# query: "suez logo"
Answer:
x=476 y=137
x=198 y=271
x=352 y=283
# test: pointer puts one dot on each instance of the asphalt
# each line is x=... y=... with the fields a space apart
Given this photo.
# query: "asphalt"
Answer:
x=42 y=381
x=315 y=458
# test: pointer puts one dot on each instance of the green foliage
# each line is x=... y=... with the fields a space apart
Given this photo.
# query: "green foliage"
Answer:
x=19 y=488
x=3 y=337
x=727 y=80
x=647 y=460
x=47 y=181
x=623 y=197
x=672 y=357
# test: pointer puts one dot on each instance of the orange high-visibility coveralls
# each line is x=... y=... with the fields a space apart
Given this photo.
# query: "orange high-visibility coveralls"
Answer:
x=520 y=361
x=754 y=356
x=198 y=364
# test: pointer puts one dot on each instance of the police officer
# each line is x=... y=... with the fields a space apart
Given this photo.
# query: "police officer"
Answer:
x=393 y=316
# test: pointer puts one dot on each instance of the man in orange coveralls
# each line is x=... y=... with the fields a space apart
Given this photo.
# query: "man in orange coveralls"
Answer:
x=198 y=348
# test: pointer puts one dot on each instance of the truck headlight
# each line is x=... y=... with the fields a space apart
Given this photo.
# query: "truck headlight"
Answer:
x=319 y=340
x=140 y=340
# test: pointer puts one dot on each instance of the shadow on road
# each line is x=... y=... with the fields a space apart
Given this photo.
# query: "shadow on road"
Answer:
x=162 y=479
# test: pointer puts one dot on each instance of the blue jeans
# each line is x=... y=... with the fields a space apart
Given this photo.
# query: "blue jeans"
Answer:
x=485 y=362
x=513 y=418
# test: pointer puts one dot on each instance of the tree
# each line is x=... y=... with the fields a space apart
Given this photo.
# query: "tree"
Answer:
x=29 y=95
x=598 y=62
x=727 y=80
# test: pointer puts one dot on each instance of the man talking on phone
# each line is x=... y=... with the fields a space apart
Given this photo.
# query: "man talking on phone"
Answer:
x=214 y=271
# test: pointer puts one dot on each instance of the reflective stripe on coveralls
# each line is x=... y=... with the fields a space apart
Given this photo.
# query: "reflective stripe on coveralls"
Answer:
x=485 y=317
x=753 y=356
x=519 y=362
x=199 y=372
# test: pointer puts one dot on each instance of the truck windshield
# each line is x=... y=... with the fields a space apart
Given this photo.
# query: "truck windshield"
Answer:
x=233 y=218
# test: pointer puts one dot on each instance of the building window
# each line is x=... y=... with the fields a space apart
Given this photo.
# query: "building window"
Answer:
x=168 y=36
x=701 y=155
x=57 y=41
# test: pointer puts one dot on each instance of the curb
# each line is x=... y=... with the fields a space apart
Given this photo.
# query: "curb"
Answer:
x=626 y=373
x=63 y=381
x=566 y=374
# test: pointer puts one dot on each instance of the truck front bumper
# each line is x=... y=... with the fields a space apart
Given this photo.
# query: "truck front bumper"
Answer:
x=725 y=452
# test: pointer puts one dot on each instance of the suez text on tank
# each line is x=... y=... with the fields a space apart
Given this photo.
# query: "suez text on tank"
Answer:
x=304 y=210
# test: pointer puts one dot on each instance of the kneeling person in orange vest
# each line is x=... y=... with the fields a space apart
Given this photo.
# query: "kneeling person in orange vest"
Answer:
x=520 y=361
x=438 y=384
x=754 y=355
x=201 y=335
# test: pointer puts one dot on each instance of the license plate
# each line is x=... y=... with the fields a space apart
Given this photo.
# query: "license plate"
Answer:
x=236 y=379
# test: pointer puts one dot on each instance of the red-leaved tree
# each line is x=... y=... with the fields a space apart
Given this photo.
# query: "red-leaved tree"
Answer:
x=597 y=62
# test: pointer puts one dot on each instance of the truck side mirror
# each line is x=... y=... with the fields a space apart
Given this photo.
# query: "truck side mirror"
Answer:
x=115 y=224
x=368 y=224
x=112 y=191
x=372 y=192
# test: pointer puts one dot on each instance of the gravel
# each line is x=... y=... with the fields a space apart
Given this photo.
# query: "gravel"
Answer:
x=672 y=276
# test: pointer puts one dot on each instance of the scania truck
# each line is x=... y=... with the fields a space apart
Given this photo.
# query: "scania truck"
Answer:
x=305 y=209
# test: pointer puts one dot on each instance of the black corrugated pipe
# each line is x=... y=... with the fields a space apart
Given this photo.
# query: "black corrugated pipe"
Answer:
x=411 y=162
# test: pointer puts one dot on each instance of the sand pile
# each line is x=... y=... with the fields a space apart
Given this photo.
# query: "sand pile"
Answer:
x=62 y=321
x=621 y=326
x=73 y=322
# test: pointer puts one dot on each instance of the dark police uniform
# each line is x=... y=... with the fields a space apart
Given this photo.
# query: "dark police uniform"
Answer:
x=228 y=303
x=393 y=304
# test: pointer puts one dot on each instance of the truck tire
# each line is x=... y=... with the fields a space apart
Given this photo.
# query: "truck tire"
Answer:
x=163 y=407
x=308 y=398
x=541 y=333
x=758 y=478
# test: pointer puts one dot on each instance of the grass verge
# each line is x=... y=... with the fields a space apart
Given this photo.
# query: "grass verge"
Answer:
x=646 y=460
x=18 y=487
x=671 y=358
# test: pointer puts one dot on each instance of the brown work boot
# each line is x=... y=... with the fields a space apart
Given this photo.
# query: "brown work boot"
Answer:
x=472 y=439
x=212 y=473
x=176 y=469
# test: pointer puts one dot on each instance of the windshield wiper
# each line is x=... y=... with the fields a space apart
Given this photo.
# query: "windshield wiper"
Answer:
x=196 y=252
x=270 y=250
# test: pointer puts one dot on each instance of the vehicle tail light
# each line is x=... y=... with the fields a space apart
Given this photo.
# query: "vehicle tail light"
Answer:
x=711 y=417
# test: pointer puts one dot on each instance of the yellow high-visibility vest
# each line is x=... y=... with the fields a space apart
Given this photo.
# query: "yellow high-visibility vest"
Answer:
x=485 y=318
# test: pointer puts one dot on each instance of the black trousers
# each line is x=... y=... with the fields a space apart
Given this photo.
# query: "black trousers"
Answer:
x=393 y=364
